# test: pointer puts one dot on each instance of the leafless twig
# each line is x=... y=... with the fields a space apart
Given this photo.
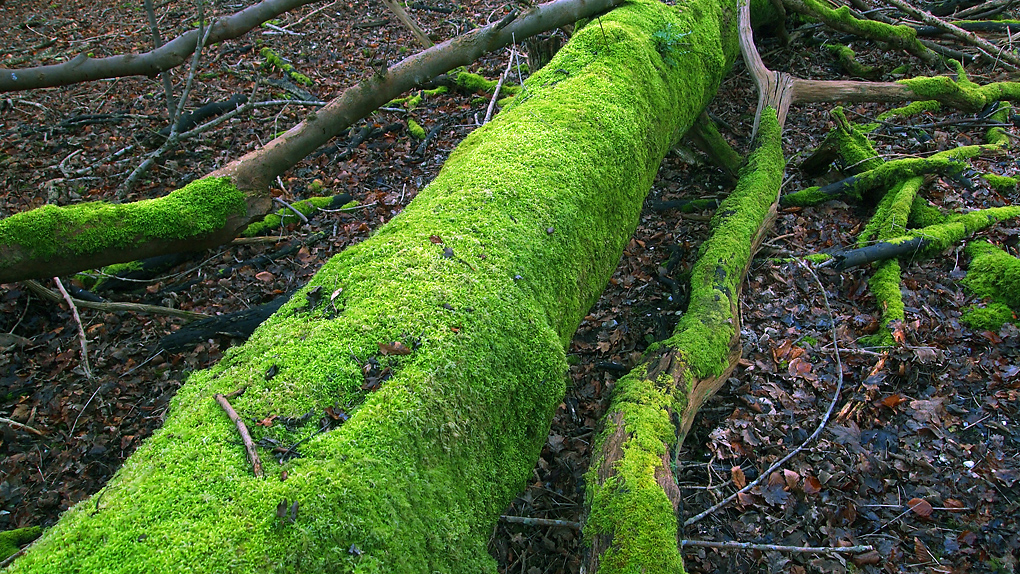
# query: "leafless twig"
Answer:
x=499 y=84
x=20 y=426
x=528 y=521
x=814 y=435
x=779 y=548
x=81 y=329
x=249 y=446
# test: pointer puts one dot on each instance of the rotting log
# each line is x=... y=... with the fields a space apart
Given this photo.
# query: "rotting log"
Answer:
x=483 y=279
x=48 y=241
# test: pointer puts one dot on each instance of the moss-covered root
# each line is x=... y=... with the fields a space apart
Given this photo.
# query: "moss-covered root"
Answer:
x=533 y=211
x=55 y=240
x=847 y=60
x=632 y=496
x=706 y=137
x=11 y=541
x=307 y=207
x=883 y=176
x=846 y=140
x=273 y=60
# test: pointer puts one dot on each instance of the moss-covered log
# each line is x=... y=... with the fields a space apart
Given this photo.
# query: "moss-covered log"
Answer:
x=632 y=495
x=482 y=280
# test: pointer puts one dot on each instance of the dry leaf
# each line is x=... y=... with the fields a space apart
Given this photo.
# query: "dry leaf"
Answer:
x=920 y=506
x=745 y=499
x=792 y=478
x=394 y=348
x=265 y=276
x=812 y=485
x=738 y=477
x=435 y=239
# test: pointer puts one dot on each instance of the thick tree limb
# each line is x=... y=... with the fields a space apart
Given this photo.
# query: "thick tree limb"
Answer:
x=49 y=241
x=82 y=68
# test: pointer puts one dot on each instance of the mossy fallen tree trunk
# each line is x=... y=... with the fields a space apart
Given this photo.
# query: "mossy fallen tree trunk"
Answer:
x=411 y=451
x=61 y=240
x=632 y=494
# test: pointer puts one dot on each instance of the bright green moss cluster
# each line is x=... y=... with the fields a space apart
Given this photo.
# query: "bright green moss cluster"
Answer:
x=910 y=110
x=923 y=214
x=991 y=317
x=1001 y=183
x=484 y=277
x=847 y=59
x=475 y=83
x=11 y=541
x=415 y=129
x=962 y=93
x=286 y=215
x=993 y=273
x=198 y=209
x=273 y=60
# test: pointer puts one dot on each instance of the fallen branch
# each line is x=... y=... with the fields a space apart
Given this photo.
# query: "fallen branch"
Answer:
x=408 y=22
x=82 y=68
x=779 y=548
x=249 y=446
x=21 y=426
x=109 y=306
x=528 y=521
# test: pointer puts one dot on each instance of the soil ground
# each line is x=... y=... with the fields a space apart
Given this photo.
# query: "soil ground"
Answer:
x=932 y=422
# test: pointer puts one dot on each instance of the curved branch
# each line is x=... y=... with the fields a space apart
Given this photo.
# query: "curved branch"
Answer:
x=169 y=55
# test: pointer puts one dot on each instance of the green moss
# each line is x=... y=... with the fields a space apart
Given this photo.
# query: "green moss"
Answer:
x=273 y=60
x=923 y=214
x=416 y=131
x=1001 y=183
x=962 y=93
x=847 y=59
x=993 y=273
x=853 y=144
x=884 y=175
x=911 y=109
x=286 y=216
x=198 y=209
x=991 y=317
x=475 y=83
x=630 y=506
x=415 y=479
x=885 y=286
x=903 y=37
x=11 y=541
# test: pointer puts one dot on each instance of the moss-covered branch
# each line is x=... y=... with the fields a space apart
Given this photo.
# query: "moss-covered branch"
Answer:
x=442 y=431
x=993 y=274
x=884 y=175
x=632 y=495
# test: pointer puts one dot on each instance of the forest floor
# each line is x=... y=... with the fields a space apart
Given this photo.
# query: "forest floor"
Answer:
x=933 y=422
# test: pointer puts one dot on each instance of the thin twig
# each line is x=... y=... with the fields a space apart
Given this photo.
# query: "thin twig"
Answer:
x=528 y=521
x=157 y=42
x=814 y=435
x=81 y=329
x=499 y=84
x=249 y=446
x=7 y=561
x=21 y=426
x=113 y=306
x=300 y=215
x=82 y=411
x=779 y=548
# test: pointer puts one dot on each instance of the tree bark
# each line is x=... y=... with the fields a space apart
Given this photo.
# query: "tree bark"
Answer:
x=60 y=240
x=411 y=451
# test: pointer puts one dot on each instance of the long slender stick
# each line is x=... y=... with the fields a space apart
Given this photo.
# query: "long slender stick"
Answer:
x=499 y=85
x=113 y=306
x=249 y=446
x=810 y=439
x=21 y=426
x=779 y=548
x=81 y=330
x=528 y=521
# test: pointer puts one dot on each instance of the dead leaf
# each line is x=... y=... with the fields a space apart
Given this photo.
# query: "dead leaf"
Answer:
x=921 y=552
x=745 y=499
x=812 y=485
x=966 y=537
x=737 y=474
x=892 y=401
x=265 y=276
x=870 y=557
x=394 y=348
x=792 y=478
x=920 y=506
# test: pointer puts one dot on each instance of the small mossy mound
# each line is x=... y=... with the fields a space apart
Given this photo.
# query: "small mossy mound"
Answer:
x=286 y=216
x=1001 y=183
x=990 y=317
x=993 y=273
x=11 y=541
x=415 y=129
